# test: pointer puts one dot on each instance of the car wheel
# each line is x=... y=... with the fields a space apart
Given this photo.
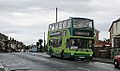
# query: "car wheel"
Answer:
x=116 y=64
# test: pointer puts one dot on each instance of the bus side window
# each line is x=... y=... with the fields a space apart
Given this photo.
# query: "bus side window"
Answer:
x=64 y=24
x=55 y=42
x=50 y=27
x=60 y=42
x=50 y=42
x=61 y=25
x=68 y=23
x=68 y=43
x=53 y=27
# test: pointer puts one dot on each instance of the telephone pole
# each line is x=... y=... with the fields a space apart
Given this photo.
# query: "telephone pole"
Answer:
x=44 y=40
x=56 y=14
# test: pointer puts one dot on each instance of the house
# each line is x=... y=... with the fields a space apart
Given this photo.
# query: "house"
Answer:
x=115 y=33
x=97 y=35
x=102 y=44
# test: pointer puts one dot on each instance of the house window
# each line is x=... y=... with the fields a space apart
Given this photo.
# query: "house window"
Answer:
x=116 y=42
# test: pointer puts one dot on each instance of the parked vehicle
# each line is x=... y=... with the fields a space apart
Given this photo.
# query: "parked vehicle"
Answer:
x=33 y=49
x=117 y=61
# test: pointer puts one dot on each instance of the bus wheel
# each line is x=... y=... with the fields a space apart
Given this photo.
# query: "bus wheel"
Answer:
x=51 y=54
x=62 y=54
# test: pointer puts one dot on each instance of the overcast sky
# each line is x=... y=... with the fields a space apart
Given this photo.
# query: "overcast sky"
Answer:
x=27 y=20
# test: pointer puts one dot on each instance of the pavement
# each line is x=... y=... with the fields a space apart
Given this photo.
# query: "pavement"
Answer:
x=1 y=67
x=104 y=60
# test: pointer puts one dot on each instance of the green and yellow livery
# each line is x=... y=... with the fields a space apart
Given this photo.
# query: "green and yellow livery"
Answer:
x=71 y=38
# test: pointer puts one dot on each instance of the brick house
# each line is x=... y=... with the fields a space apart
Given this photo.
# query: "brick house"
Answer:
x=115 y=33
x=97 y=35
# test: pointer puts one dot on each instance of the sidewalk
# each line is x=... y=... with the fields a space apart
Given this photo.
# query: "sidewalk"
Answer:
x=104 y=60
x=40 y=53
x=1 y=67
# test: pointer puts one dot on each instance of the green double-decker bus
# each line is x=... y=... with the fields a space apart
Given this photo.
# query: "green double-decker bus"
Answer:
x=71 y=38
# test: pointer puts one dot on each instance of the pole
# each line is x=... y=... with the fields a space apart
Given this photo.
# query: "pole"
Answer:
x=56 y=14
x=44 y=40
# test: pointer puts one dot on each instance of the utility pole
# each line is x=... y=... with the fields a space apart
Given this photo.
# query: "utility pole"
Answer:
x=44 y=40
x=56 y=14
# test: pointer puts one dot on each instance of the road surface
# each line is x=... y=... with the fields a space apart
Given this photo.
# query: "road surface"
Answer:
x=42 y=62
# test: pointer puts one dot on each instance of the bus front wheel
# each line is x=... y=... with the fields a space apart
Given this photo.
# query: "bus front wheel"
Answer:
x=50 y=53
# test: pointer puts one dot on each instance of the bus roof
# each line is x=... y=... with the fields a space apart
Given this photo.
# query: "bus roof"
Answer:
x=74 y=18
x=80 y=37
x=80 y=18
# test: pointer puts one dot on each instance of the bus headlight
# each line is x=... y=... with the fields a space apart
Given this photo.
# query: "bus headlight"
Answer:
x=72 y=53
x=90 y=54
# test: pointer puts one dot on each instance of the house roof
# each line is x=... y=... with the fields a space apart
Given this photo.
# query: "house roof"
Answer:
x=96 y=30
x=113 y=23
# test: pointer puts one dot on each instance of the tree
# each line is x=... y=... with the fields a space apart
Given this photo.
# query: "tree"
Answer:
x=27 y=47
x=40 y=44
x=6 y=45
x=37 y=43
x=1 y=47
x=106 y=40
x=40 y=41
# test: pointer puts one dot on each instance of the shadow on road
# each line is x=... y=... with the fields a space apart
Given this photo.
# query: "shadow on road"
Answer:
x=72 y=59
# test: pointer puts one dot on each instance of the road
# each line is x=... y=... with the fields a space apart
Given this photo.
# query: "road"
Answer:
x=42 y=62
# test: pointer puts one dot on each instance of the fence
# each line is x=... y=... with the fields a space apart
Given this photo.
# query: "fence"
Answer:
x=106 y=52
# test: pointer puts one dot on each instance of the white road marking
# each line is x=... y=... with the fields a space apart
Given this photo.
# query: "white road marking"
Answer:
x=83 y=68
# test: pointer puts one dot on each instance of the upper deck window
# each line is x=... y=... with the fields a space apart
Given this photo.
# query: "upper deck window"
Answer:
x=69 y=23
x=50 y=27
x=81 y=23
x=53 y=27
x=61 y=25
x=65 y=24
x=56 y=26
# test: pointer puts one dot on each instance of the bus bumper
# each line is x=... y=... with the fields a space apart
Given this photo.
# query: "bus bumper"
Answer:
x=80 y=56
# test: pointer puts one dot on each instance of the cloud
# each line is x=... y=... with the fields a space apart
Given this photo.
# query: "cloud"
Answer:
x=25 y=20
